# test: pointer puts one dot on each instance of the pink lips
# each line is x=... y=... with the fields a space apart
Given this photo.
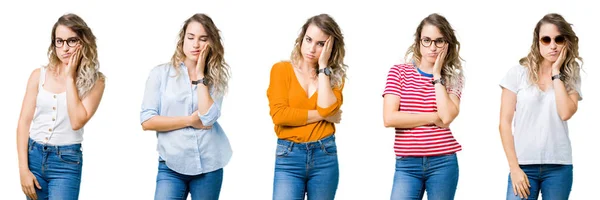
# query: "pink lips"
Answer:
x=195 y=52
x=310 y=56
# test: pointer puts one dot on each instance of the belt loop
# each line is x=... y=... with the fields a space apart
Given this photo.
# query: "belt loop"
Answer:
x=321 y=144
x=290 y=146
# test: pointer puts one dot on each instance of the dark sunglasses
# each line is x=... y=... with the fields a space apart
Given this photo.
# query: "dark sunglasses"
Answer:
x=560 y=40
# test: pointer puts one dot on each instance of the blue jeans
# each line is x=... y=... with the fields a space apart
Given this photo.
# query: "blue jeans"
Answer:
x=553 y=180
x=306 y=169
x=173 y=185
x=438 y=175
x=57 y=169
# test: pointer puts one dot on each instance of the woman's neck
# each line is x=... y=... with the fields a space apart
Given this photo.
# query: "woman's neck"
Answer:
x=305 y=66
x=426 y=67
x=191 y=68
x=59 y=70
x=545 y=67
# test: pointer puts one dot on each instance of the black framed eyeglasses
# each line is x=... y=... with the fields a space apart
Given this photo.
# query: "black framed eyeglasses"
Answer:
x=426 y=42
x=71 y=42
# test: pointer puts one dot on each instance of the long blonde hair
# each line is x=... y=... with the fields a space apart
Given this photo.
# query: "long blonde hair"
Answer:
x=88 y=70
x=336 y=60
x=571 y=67
x=216 y=70
x=452 y=70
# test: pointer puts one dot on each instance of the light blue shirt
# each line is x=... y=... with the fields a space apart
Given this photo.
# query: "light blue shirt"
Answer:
x=188 y=150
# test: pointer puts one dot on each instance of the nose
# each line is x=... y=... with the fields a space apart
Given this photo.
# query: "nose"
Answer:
x=65 y=47
x=432 y=47
x=196 y=44
x=553 y=45
x=312 y=48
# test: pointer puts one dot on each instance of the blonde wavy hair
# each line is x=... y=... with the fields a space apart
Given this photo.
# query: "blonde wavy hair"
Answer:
x=336 y=60
x=216 y=70
x=88 y=71
x=452 y=70
x=571 y=67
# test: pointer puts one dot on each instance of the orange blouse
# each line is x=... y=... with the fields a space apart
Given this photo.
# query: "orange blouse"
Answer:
x=289 y=107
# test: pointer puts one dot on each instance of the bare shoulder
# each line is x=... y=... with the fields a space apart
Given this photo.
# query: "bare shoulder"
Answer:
x=34 y=77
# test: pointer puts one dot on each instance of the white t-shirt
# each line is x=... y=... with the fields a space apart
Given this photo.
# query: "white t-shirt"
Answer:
x=540 y=136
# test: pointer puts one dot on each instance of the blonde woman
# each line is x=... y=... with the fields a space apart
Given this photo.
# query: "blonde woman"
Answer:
x=61 y=98
x=182 y=103
x=540 y=95
x=305 y=96
x=421 y=99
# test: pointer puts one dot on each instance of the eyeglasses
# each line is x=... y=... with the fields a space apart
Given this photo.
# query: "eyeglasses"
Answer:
x=426 y=42
x=71 y=42
x=559 y=40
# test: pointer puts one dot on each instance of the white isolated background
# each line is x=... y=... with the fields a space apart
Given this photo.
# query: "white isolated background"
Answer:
x=120 y=160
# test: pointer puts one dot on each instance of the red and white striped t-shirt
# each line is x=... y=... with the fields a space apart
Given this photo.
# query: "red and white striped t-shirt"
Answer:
x=417 y=95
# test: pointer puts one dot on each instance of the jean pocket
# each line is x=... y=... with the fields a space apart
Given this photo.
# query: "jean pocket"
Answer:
x=70 y=156
x=282 y=150
x=449 y=157
x=330 y=148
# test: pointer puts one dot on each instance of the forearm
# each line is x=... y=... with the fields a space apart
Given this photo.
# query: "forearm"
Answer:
x=163 y=123
x=564 y=104
x=446 y=108
x=326 y=96
x=399 y=119
x=508 y=145
x=22 y=145
x=313 y=116
x=283 y=115
x=204 y=98
x=75 y=109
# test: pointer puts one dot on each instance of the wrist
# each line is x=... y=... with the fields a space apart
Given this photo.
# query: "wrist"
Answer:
x=71 y=78
x=433 y=117
x=514 y=167
x=190 y=120
x=23 y=168
x=325 y=71
x=557 y=76
x=555 y=72
x=200 y=73
x=438 y=80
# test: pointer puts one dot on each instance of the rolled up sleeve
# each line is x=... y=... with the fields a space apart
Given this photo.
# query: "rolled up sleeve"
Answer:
x=214 y=112
x=151 y=101
x=326 y=112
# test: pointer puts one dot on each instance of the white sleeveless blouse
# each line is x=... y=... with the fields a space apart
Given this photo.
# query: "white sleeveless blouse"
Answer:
x=51 y=123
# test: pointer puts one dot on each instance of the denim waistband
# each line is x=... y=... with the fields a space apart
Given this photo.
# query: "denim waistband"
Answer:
x=53 y=148
x=307 y=145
